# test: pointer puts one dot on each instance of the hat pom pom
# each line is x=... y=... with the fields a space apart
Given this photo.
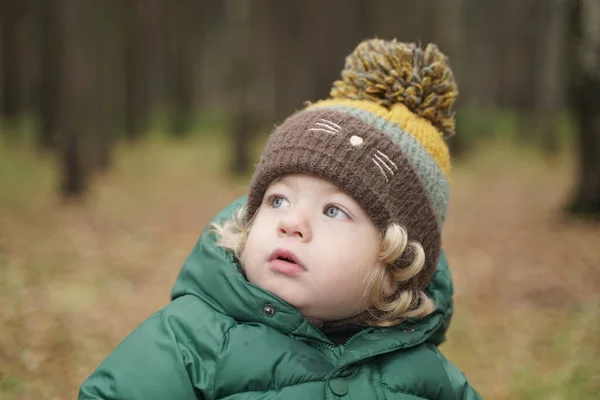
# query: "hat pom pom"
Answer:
x=391 y=72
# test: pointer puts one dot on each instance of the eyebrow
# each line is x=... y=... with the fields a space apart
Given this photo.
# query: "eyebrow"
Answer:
x=330 y=188
x=280 y=181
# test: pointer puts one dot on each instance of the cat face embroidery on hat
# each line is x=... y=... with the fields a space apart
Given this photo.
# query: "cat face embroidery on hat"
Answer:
x=385 y=165
x=382 y=161
x=325 y=125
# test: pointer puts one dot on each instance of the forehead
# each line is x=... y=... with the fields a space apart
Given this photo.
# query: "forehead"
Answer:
x=308 y=182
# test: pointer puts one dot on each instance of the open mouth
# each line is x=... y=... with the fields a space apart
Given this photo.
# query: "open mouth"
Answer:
x=286 y=262
x=286 y=259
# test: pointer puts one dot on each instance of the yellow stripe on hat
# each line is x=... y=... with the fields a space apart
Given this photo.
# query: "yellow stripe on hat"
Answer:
x=419 y=128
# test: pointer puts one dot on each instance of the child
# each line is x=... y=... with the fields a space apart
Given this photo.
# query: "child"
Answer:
x=329 y=280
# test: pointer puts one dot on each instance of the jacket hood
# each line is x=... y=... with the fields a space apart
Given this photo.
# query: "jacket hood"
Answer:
x=212 y=274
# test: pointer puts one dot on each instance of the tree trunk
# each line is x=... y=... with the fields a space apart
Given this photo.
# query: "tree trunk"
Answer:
x=75 y=107
x=135 y=110
x=51 y=60
x=549 y=93
x=154 y=31
x=101 y=123
x=449 y=33
x=482 y=88
x=11 y=12
x=587 y=114
x=293 y=74
x=584 y=95
x=240 y=75
x=180 y=65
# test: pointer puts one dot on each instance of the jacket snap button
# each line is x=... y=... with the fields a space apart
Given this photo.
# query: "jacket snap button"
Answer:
x=338 y=386
x=269 y=310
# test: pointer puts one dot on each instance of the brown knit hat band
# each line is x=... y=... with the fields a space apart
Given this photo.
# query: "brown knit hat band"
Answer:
x=362 y=161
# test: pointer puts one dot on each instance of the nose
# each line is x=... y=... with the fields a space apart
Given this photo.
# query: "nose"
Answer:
x=295 y=223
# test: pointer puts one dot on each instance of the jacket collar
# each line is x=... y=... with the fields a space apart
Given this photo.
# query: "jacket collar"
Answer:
x=213 y=274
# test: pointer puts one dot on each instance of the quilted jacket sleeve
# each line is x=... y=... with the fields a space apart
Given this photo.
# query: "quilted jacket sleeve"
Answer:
x=460 y=386
x=154 y=362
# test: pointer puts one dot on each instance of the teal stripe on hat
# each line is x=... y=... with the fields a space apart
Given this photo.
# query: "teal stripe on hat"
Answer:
x=427 y=169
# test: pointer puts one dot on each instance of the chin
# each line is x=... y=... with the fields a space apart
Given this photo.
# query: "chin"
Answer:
x=291 y=298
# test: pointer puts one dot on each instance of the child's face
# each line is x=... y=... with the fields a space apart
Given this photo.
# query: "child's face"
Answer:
x=331 y=239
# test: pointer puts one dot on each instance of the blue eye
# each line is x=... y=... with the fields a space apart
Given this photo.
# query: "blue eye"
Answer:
x=335 y=212
x=278 y=202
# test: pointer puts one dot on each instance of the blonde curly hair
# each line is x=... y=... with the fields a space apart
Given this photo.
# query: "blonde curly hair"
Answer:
x=381 y=310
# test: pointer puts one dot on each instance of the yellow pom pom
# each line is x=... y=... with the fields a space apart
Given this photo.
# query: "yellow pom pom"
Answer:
x=391 y=72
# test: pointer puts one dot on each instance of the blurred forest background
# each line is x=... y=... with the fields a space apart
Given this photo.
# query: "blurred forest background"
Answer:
x=127 y=124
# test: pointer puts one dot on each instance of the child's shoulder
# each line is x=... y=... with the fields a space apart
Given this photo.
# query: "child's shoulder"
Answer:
x=421 y=360
x=422 y=371
x=187 y=321
x=192 y=315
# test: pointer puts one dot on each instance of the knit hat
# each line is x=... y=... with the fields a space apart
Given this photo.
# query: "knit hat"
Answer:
x=380 y=138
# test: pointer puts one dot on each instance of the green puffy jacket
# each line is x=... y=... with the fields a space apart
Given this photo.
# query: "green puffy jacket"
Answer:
x=221 y=337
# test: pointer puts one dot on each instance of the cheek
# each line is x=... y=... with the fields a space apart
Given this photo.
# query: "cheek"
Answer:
x=248 y=255
x=360 y=257
x=249 y=264
x=362 y=248
x=255 y=249
x=354 y=265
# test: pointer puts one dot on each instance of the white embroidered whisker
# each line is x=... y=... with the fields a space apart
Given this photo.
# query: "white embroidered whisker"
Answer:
x=326 y=126
x=381 y=169
x=384 y=164
x=330 y=122
x=387 y=158
x=324 y=130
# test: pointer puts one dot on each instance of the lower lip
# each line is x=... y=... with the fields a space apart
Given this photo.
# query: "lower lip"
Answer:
x=286 y=268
